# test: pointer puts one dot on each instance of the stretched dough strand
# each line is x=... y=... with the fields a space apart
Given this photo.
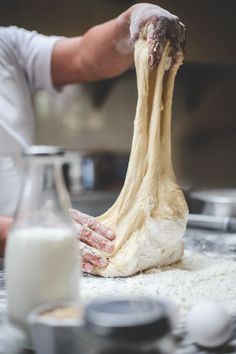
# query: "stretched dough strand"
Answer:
x=149 y=216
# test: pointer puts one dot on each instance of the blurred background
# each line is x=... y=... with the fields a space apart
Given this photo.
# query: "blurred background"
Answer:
x=95 y=121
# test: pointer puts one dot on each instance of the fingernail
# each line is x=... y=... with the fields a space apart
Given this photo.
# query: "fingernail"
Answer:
x=109 y=247
x=103 y=262
x=88 y=267
x=110 y=234
x=135 y=37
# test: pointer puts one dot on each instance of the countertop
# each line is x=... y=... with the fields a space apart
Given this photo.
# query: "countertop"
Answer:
x=203 y=241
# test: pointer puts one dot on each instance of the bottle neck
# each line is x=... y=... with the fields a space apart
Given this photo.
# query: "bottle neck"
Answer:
x=44 y=193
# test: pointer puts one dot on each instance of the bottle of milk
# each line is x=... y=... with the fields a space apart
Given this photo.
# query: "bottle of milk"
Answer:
x=42 y=262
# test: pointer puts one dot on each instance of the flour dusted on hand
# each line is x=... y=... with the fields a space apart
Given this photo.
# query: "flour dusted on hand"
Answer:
x=149 y=216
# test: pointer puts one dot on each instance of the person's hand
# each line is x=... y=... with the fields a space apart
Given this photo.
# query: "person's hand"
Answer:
x=5 y=224
x=156 y=25
x=92 y=234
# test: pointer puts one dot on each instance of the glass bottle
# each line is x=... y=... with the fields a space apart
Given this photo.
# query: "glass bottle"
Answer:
x=42 y=263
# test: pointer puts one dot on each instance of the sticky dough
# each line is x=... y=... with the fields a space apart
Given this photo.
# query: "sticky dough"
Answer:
x=149 y=216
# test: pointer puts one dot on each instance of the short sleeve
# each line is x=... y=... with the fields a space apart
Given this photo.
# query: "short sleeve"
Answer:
x=34 y=53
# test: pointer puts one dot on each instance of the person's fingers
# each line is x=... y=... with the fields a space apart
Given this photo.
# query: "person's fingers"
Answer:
x=172 y=33
x=176 y=34
x=156 y=37
x=135 y=37
x=136 y=23
x=155 y=52
x=182 y=35
x=161 y=25
x=157 y=28
x=93 y=239
x=5 y=224
x=89 y=255
x=182 y=32
x=95 y=260
x=165 y=29
x=91 y=223
x=86 y=267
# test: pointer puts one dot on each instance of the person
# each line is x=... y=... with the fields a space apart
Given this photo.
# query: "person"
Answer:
x=30 y=61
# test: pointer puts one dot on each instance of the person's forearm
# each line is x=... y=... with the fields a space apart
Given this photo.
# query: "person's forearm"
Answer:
x=107 y=50
x=5 y=223
x=103 y=52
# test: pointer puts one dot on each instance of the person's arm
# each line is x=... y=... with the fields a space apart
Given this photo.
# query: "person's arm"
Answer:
x=106 y=50
x=92 y=56
x=103 y=52
x=5 y=224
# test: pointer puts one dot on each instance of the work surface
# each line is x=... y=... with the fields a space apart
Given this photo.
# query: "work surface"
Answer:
x=166 y=283
x=196 y=277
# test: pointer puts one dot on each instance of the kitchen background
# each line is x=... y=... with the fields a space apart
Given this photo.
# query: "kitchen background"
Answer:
x=97 y=118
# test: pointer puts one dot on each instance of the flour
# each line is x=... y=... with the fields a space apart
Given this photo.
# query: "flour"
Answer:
x=187 y=282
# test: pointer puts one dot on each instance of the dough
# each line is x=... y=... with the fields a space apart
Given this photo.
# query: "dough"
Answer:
x=149 y=217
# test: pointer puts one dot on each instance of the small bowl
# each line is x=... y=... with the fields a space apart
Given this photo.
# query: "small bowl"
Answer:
x=215 y=202
x=54 y=328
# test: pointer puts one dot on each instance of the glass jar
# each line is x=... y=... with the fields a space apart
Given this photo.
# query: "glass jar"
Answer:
x=42 y=262
x=127 y=326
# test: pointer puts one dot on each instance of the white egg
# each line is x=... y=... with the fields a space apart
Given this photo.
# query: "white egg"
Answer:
x=209 y=324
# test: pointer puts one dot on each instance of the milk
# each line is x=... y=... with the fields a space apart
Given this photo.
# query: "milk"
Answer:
x=42 y=265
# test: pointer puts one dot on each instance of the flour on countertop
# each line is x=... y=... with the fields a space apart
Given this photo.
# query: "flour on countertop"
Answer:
x=195 y=278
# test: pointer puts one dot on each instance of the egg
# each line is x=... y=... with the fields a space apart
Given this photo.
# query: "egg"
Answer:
x=209 y=324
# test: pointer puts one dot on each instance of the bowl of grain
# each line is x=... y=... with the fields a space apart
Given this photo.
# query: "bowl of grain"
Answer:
x=55 y=327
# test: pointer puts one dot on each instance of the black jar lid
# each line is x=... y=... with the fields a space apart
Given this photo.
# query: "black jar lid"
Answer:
x=128 y=319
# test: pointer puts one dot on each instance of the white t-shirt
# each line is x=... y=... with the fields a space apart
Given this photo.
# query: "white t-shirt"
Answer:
x=25 y=66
